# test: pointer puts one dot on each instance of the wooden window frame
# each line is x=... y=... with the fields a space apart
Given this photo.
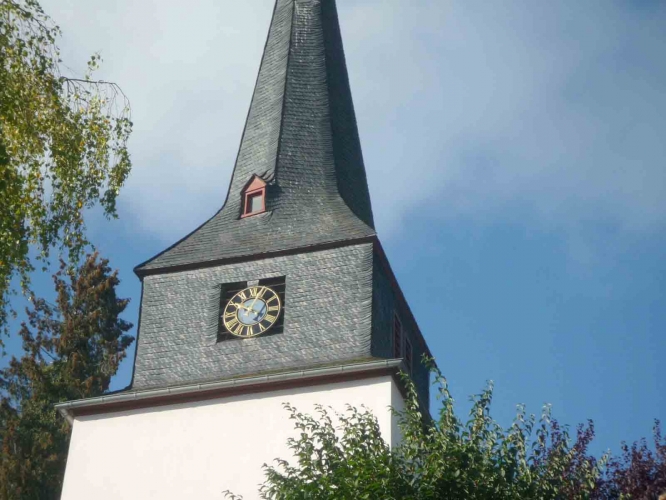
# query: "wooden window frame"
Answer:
x=246 y=202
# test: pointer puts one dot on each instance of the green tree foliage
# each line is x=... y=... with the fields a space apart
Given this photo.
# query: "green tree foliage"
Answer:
x=63 y=147
x=70 y=351
x=343 y=456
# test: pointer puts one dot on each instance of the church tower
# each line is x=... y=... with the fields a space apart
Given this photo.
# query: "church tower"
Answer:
x=284 y=295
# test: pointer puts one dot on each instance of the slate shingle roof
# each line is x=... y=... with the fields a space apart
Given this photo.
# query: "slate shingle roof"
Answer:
x=301 y=137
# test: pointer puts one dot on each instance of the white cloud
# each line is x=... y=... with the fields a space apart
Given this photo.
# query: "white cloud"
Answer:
x=558 y=108
x=479 y=107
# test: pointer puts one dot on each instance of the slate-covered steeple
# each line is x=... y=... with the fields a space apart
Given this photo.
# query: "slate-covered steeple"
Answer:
x=301 y=138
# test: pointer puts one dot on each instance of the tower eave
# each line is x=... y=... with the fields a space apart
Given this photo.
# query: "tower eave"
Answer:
x=148 y=268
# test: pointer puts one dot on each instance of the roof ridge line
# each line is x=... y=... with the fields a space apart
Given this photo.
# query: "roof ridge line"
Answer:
x=284 y=91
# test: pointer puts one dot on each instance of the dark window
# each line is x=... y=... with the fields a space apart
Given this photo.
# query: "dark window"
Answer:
x=397 y=337
x=408 y=355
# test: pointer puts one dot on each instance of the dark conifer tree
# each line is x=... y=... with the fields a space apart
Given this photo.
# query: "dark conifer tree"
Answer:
x=71 y=349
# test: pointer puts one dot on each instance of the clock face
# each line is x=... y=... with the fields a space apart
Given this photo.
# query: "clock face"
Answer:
x=252 y=311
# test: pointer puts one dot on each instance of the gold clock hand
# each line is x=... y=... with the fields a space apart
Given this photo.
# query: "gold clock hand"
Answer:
x=256 y=297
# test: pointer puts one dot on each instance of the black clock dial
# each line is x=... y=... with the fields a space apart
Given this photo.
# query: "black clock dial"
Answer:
x=252 y=311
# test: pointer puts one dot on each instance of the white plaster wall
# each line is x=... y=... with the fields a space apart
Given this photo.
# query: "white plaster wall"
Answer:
x=197 y=450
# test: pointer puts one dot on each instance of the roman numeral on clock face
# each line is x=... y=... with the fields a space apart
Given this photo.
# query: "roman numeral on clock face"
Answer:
x=264 y=325
x=257 y=292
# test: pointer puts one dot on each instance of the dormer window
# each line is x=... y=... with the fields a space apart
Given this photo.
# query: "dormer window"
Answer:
x=254 y=197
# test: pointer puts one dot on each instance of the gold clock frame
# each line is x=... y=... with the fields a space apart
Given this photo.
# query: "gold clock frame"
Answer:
x=236 y=327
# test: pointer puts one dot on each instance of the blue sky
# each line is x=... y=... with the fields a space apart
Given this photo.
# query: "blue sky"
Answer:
x=517 y=165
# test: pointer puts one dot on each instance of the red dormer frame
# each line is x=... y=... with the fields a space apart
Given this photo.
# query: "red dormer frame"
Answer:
x=256 y=187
